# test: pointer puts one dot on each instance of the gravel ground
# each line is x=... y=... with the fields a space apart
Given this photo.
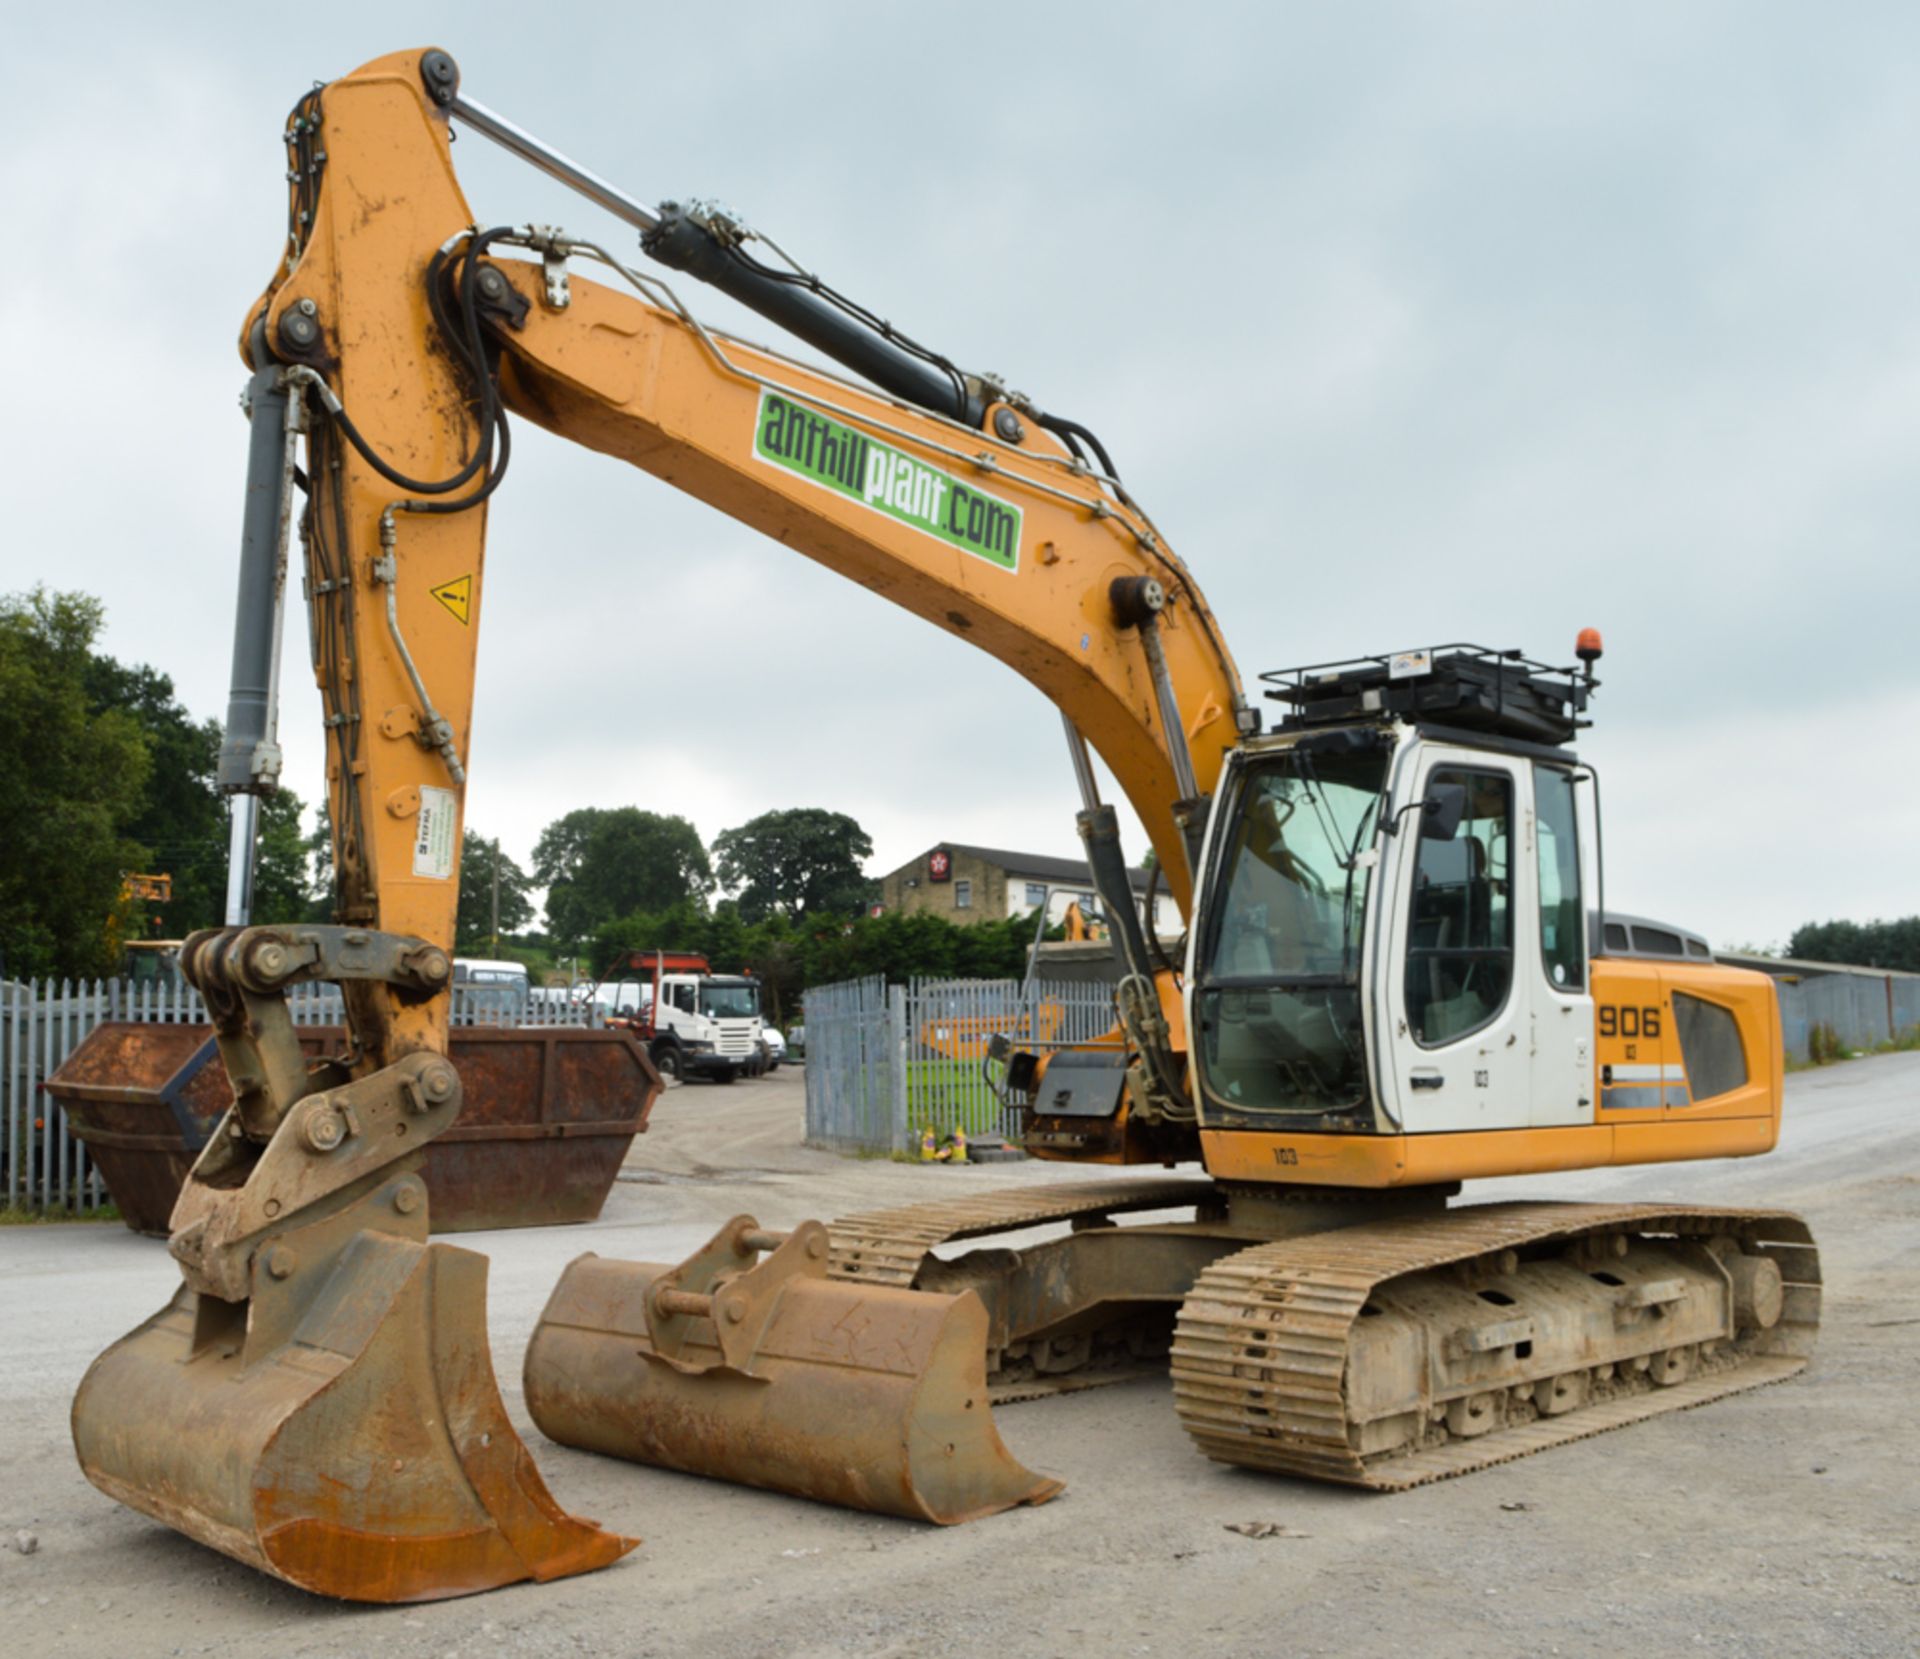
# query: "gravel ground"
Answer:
x=1785 y=1521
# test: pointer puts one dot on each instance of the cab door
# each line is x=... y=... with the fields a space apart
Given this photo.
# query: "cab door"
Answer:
x=1553 y=951
x=1459 y=1013
x=679 y=1014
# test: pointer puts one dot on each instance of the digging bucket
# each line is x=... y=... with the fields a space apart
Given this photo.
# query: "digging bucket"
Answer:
x=771 y=1374
x=345 y=1435
x=318 y=1400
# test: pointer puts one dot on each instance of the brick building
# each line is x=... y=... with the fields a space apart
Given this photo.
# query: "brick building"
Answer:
x=974 y=884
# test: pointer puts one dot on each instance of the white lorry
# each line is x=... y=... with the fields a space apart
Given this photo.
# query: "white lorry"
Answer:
x=695 y=1022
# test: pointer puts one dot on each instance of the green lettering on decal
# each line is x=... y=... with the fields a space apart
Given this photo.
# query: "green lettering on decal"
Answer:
x=863 y=469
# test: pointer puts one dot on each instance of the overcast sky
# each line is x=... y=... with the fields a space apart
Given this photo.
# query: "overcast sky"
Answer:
x=1408 y=323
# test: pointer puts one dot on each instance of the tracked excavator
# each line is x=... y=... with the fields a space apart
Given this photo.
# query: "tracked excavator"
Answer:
x=1393 y=978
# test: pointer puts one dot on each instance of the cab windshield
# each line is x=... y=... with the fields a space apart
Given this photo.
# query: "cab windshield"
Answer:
x=730 y=1002
x=1279 y=987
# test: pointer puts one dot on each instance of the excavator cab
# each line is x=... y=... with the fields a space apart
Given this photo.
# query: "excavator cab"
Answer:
x=1397 y=946
x=1355 y=978
x=1393 y=923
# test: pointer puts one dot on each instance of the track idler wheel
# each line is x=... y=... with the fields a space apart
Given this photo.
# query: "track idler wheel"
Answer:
x=344 y=1434
x=771 y=1374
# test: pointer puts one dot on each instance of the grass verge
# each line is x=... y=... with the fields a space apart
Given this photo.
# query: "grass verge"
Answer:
x=1824 y=1048
x=15 y=1217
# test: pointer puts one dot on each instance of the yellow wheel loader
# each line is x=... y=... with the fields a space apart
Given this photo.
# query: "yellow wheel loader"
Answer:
x=1395 y=976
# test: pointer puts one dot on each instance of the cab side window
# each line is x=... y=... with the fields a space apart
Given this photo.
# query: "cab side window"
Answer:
x=1710 y=1046
x=1460 y=943
x=1557 y=836
x=682 y=997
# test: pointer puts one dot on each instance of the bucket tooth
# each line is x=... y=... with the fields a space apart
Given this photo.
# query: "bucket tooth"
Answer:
x=774 y=1375
x=365 y=1456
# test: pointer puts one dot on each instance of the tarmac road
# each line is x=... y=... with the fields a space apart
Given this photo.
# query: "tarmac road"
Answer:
x=1780 y=1522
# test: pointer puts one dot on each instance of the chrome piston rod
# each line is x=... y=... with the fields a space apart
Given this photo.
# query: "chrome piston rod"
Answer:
x=551 y=162
x=249 y=764
x=683 y=240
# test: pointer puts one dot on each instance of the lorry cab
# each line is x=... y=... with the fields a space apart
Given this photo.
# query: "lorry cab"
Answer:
x=1393 y=963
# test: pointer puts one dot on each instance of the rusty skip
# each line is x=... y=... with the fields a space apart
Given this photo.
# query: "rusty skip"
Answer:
x=549 y=1114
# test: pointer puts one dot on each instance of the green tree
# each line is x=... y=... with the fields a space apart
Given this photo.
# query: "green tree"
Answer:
x=474 y=931
x=320 y=864
x=803 y=862
x=788 y=957
x=283 y=886
x=599 y=863
x=72 y=782
x=182 y=821
x=1888 y=944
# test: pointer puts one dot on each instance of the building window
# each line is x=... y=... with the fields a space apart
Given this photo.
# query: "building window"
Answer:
x=1036 y=894
x=963 y=894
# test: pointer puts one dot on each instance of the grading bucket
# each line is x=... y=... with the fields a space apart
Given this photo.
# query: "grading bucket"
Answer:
x=776 y=1376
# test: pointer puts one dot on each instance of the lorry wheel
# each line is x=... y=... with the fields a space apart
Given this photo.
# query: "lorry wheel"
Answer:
x=668 y=1063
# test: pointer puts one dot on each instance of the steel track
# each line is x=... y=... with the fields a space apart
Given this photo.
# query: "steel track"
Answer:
x=1260 y=1351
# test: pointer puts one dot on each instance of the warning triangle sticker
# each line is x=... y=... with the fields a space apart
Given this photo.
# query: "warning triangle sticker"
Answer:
x=457 y=596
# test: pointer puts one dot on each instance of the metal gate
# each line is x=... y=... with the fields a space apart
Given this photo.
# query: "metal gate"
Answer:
x=852 y=1063
x=886 y=1063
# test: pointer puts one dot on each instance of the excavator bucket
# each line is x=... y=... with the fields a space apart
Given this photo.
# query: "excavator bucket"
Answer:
x=360 y=1452
x=772 y=1374
x=318 y=1400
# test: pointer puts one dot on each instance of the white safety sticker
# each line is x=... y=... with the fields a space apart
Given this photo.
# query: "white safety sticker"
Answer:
x=436 y=833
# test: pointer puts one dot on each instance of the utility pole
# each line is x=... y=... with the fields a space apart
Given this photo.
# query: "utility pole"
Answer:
x=494 y=949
